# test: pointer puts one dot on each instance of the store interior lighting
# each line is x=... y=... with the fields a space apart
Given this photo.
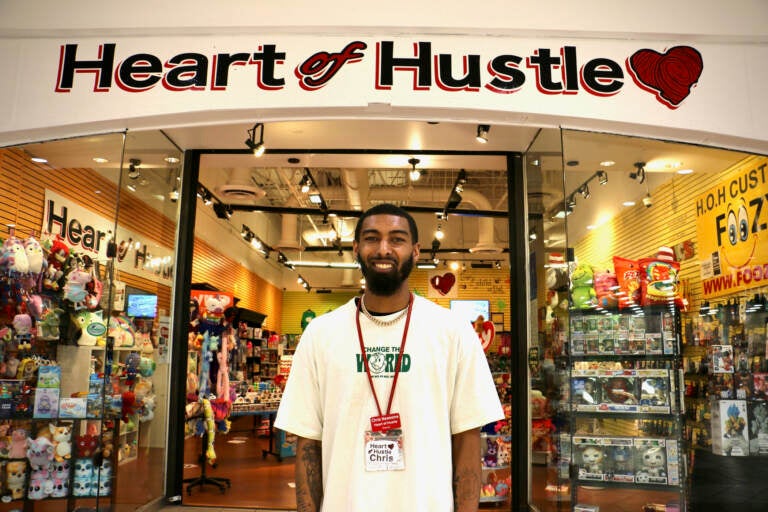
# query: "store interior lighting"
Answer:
x=454 y=199
x=639 y=172
x=309 y=186
x=482 y=133
x=133 y=169
x=303 y=282
x=583 y=190
x=415 y=173
x=258 y=148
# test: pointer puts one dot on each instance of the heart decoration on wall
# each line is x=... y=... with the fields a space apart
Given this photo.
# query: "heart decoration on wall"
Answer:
x=443 y=284
x=670 y=76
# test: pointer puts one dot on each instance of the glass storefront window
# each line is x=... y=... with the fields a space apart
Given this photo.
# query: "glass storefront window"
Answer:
x=85 y=361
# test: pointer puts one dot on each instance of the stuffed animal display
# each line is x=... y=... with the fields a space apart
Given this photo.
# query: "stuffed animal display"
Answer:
x=583 y=295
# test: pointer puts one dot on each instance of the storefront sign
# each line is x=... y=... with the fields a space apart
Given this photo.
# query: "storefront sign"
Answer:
x=90 y=234
x=732 y=231
x=125 y=82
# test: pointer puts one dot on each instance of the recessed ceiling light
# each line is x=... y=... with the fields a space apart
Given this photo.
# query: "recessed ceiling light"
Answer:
x=39 y=160
x=572 y=163
x=685 y=171
x=591 y=226
x=97 y=191
x=100 y=160
x=607 y=163
x=172 y=159
x=628 y=203
x=131 y=187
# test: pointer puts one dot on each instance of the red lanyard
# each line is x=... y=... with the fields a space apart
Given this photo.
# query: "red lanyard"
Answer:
x=399 y=355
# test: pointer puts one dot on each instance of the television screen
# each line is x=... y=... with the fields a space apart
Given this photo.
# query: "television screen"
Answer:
x=471 y=309
x=142 y=306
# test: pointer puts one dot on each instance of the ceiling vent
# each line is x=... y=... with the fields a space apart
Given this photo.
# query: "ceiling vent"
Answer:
x=240 y=187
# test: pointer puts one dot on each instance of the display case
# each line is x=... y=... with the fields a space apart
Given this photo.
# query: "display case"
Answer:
x=625 y=408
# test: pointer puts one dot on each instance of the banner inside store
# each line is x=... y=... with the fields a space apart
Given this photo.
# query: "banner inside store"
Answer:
x=732 y=231
x=147 y=82
x=88 y=233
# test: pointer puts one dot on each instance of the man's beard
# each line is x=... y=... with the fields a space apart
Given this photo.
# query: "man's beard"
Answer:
x=385 y=284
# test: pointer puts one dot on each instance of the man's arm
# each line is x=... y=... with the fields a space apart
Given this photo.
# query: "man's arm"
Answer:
x=309 y=475
x=466 y=470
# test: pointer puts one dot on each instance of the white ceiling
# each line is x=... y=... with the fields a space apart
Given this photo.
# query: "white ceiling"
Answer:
x=377 y=153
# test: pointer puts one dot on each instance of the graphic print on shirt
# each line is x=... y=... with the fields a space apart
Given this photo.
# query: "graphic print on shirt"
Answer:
x=382 y=361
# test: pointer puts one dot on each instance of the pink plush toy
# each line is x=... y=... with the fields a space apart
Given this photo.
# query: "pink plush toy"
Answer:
x=19 y=443
x=40 y=452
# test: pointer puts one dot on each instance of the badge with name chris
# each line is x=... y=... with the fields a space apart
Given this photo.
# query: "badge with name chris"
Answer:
x=384 y=451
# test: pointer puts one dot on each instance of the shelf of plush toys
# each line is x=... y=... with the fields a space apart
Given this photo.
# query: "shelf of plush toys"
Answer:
x=495 y=463
x=725 y=344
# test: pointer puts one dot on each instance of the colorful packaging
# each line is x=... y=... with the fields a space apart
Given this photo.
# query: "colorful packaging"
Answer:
x=658 y=281
x=606 y=287
x=628 y=279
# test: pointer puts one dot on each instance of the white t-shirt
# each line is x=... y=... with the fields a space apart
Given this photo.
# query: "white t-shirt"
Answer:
x=444 y=388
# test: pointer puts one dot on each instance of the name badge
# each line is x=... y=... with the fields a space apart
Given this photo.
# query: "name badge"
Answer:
x=385 y=422
x=384 y=451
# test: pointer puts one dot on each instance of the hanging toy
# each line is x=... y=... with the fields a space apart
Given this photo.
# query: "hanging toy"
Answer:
x=76 y=289
x=22 y=325
x=58 y=254
x=14 y=258
x=131 y=368
x=38 y=264
x=210 y=428
x=205 y=366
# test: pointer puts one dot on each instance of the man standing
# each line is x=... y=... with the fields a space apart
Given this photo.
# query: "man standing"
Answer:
x=388 y=392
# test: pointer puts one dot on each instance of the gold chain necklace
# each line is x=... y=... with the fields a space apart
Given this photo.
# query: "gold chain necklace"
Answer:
x=378 y=321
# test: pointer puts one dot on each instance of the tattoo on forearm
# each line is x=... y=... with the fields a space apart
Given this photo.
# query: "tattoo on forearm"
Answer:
x=309 y=491
x=466 y=488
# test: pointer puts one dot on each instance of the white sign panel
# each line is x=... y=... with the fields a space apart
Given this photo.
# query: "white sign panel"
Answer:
x=88 y=233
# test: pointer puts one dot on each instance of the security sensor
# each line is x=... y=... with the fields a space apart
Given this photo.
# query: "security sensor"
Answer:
x=648 y=201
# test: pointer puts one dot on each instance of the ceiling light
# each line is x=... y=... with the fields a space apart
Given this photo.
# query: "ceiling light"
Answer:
x=482 y=133
x=584 y=191
x=222 y=211
x=532 y=235
x=315 y=198
x=639 y=172
x=426 y=264
x=304 y=184
x=172 y=159
x=439 y=233
x=100 y=160
x=602 y=177
x=174 y=195
x=415 y=174
x=131 y=187
x=454 y=265
x=685 y=171
x=133 y=169
x=607 y=163
x=628 y=203
x=258 y=148
x=39 y=160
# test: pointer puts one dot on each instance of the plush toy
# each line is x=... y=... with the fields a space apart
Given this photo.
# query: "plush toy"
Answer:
x=76 y=287
x=129 y=406
x=86 y=447
x=60 y=488
x=16 y=478
x=147 y=411
x=58 y=254
x=504 y=456
x=121 y=330
x=22 y=325
x=81 y=485
x=147 y=366
x=583 y=294
x=40 y=452
x=62 y=441
x=35 y=256
x=592 y=459
x=91 y=328
x=36 y=491
x=19 y=444
x=131 y=368
x=210 y=429
x=61 y=470
x=490 y=459
x=13 y=258
x=48 y=326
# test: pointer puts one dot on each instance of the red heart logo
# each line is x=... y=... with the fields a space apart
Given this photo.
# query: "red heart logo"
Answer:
x=670 y=76
x=443 y=283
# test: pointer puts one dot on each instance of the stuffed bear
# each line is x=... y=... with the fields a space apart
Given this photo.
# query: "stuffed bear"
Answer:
x=62 y=440
x=19 y=443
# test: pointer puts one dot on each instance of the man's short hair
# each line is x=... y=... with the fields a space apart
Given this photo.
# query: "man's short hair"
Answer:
x=388 y=209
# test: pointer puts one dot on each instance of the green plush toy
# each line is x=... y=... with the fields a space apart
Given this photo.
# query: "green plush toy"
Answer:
x=583 y=294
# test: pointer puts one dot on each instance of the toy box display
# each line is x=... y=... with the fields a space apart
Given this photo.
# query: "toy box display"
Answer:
x=590 y=457
x=634 y=391
x=657 y=461
x=729 y=428
x=758 y=427
x=722 y=359
x=619 y=460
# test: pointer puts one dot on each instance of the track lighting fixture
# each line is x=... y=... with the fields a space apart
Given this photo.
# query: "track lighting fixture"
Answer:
x=173 y=195
x=482 y=133
x=304 y=184
x=222 y=211
x=439 y=235
x=415 y=174
x=258 y=148
x=303 y=282
x=584 y=191
x=602 y=177
x=133 y=168
x=639 y=172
